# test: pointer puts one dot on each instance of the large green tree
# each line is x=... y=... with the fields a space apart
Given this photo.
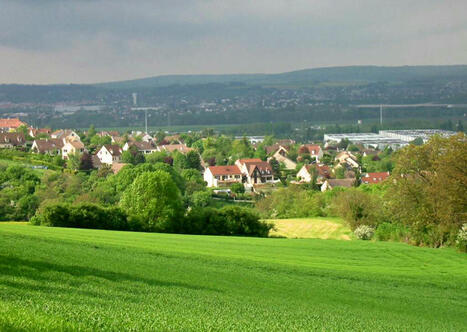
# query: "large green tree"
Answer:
x=153 y=201
x=429 y=189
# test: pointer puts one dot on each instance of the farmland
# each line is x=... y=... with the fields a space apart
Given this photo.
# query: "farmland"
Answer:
x=57 y=278
x=318 y=228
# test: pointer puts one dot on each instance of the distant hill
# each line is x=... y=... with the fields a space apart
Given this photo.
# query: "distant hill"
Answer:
x=350 y=74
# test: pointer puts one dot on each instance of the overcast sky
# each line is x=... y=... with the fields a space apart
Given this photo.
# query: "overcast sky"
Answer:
x=83 y=41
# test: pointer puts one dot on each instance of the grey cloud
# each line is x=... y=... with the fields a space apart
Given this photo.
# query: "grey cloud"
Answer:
x=99 y=40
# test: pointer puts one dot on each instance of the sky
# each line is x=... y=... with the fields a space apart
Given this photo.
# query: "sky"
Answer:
x=88 y=41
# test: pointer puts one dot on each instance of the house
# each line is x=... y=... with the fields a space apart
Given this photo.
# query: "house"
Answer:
x=72 y=147
x=312 y=149
x=47 y=146
x=286 y=142
x=372 y=178
x=323 y=172
x=255 y=171
x=182 y=148
x=143 y=147
x=346 y=157
x=333 y=183
x=108 y=133
x=8 y=125
x=11 y=140
x=34 y=132
x=147 y=138
x=281 y=156
x=110 y=154
x=65 y=134
x=216 y=176
x=172 y=139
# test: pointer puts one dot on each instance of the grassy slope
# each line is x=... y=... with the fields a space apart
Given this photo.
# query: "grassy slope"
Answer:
x=56 y=278
x=319 y=228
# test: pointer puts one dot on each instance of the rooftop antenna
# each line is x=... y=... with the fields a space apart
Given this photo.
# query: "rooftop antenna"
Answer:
x=381 y=115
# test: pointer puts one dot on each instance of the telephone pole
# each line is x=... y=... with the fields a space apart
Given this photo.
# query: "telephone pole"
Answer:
x=381 y=115
x=146 y=120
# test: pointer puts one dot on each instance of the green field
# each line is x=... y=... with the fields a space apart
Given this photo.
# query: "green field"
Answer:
x=74 y=279
x=317 y=228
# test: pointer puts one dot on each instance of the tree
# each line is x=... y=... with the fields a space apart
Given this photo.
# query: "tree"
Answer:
x=85 y=162
x=193 y=160
x=261 y=153
x=237 y=188
x=343 y=143
x=459 y=126
x=100 y=140
x=133 y=156
x=429 y=189
x=73 y=162
x=179 y=161
x=153 y=201
x=418 y=141
x=91 y=131
x=339 y=172
x=201 y=198
x=276 y=167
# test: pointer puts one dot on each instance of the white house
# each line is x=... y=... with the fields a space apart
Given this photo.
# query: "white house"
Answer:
x=110 y=154
x=66 y=134
x=216 y=176
x=182 y=148
x=255 y=171
x=144 y=147
x=323 y=172
x=47 y=146
x=72 y=148
x=281 y=156
x=313 y=149
x=333 y=183
x=345 y=157
x=10 y=140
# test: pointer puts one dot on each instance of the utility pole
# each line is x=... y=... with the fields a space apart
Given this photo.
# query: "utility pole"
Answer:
x=146 y=120
x=381 y=115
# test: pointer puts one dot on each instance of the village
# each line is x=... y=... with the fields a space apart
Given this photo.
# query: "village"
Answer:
x=259 y=164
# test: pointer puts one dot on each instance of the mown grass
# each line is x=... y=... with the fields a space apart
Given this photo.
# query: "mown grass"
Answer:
x=73 y=279
x=318 y=228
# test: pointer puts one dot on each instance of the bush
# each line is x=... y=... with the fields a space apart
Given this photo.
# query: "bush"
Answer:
x=461 y=241
x=392 y=232
x=237 y=188
x=358 y=208
x=364 y=232
x=230 y=220
x=201 y=198
x=83 y=215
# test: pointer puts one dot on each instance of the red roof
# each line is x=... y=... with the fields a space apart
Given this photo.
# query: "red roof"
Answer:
x=11 y=123
x=224 y=170
x=323 y=170
x=371 y=178
x=252 y=160
x=312 y=148
x=114 y=150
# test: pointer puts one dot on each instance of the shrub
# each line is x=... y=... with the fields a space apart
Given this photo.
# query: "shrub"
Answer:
x=364 y=232
x=392 y=232
x=461 y=241
x=83 y=215
x=358 y=208
x=201 y=198
x=237 y=188
x=230 y=220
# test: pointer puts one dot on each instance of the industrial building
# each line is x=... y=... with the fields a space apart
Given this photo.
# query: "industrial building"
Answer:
x=392 y=138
